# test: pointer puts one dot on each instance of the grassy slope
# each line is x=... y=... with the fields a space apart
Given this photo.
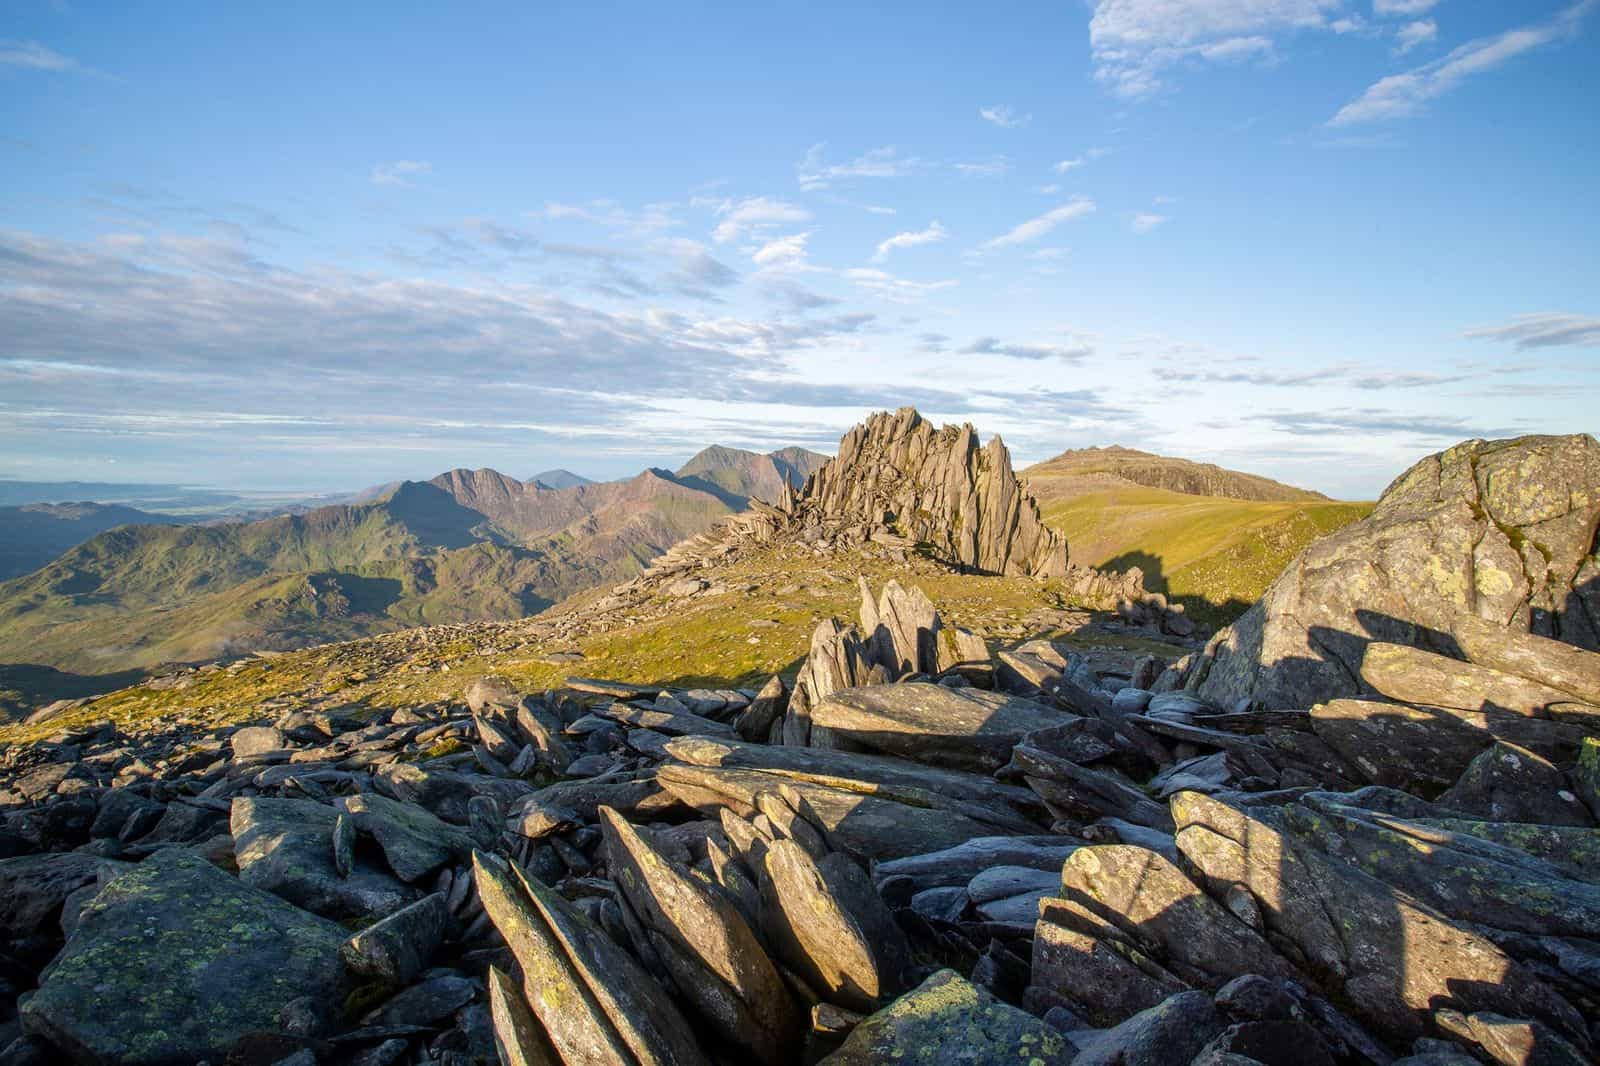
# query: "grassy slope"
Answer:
x=1215 y=555
x=760 y=625
x=143 y=595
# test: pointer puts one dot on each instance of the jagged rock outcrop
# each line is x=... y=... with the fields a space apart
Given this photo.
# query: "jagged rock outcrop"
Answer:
x=896 y=475
x=1499 y=531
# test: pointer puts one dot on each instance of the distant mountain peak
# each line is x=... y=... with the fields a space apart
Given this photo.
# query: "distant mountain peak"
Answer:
x=1164 y=472
x=559 y=478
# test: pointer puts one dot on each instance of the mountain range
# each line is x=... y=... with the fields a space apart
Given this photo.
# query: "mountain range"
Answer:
x=468 y=544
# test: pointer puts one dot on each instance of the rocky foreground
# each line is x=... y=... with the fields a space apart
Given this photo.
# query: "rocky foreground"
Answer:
x=917 y=852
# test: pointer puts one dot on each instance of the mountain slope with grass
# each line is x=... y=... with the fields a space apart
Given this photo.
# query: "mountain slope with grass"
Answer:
x=1215 y=551
x=33 y=534
x=468 y=545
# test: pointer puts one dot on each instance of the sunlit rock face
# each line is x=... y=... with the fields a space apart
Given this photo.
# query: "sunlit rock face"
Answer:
x=1499 y=531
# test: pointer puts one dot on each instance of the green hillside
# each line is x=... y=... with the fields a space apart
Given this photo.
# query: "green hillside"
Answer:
x=1215 y=555
x=141 y=595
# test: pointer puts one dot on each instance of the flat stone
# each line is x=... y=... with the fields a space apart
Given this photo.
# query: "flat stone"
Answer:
x=179 y=961
x=963 y=729
x=256 y=740
x=867 y=827
x=426 y=1003
x=978 y=796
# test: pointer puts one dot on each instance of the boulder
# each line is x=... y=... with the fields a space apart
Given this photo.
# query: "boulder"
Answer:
x=963 y=729
x=1413 y=675
x=1502 y=531
x=1151 y=900
x=1173 y=1031
x=1430 y=747
x=285 y=846
x=949 y=1020
x=179 y=961
x=415 y=843
x=256 y=740
x=398 y=947
x=1507 y=783
x=825 y=920
x=1391 y=958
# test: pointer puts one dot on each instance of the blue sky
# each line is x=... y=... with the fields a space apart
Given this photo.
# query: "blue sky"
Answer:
x=309 y=249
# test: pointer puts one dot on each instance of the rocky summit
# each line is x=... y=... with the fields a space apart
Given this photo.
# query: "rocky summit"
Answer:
x=1361 y=827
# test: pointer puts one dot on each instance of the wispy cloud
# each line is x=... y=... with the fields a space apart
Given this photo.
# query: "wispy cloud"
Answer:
x=646 y=221
x=1040 y=225
x=1078 y=161
x=1004 y=117
x=998 y=167
x=909 y=239
x=1145 y=221
x=1074 y=354
x=755 y=217
x=782 y=253
x=1370 y=420
x=1386 y=8
x=1405 y=95
x=1415 y=34
x=889 y=287
x=31 y=55
x=1134 y=41
x=1544 y=329
x=402 y=172
x=887 y=162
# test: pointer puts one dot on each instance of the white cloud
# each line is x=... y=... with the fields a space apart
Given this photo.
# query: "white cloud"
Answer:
x=31 y=55
x=1073 y=164
x=1004 y=117
x=890 y=287
x=755 y=216
x=400 y=172
x=994 y=346
x=1415 y=34
x=1134 y=41
x=1384 y=8
x=783 y=252
x=1038 y=226
x=1404 y=95
x=992 y=168
x=1145 y=221
x=909 y=239
x=1544 y=329
x=649 y=220
x=884 y=162
x=1052 y=189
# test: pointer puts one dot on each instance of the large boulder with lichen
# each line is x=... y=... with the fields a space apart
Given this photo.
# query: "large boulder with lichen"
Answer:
x=175 y=960
x=1502 y=531
x=947 y=1019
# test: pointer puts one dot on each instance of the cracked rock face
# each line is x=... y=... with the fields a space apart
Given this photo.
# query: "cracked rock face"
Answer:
x=941 y=488
x=1503 y=531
